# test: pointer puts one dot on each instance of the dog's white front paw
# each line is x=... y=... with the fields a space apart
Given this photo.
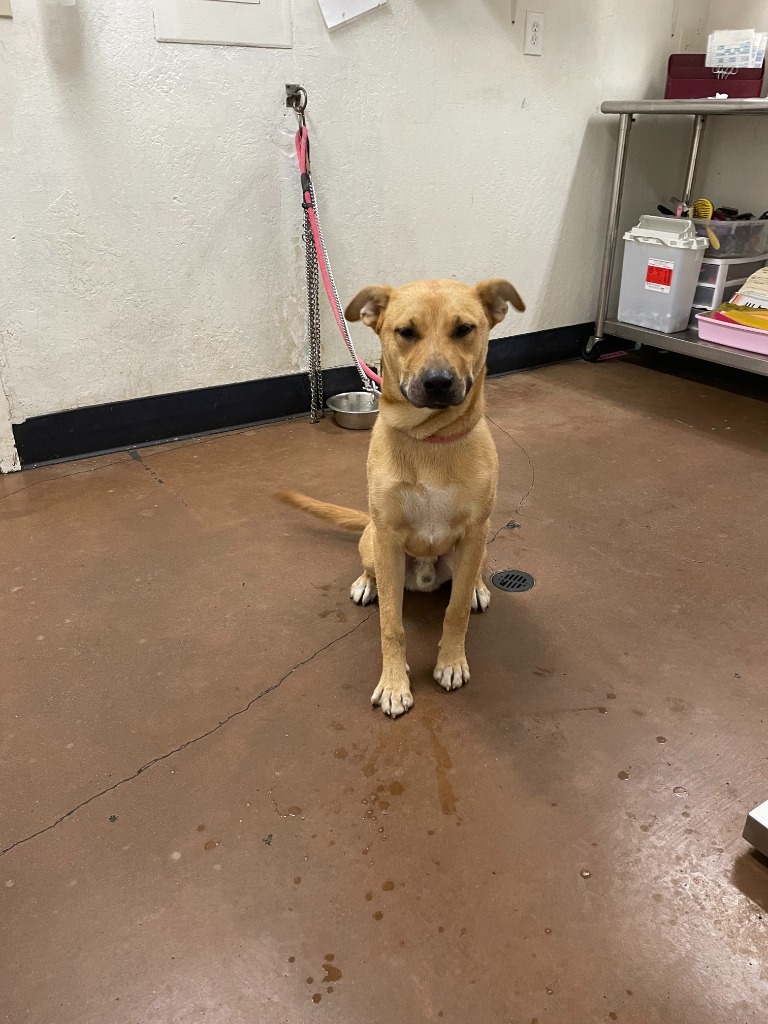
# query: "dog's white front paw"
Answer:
x=363 y=590
x=481 y=597
x=393 y=696
x=451 y=675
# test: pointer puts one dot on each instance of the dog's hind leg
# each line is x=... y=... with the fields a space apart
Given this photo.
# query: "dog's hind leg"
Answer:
x=363 y=590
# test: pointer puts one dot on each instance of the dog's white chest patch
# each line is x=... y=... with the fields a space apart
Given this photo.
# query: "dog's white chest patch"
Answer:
x=429 y=512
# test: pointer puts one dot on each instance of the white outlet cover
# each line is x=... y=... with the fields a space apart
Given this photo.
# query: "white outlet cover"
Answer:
x=337 y=12
x=223 y=22
x=533 y=42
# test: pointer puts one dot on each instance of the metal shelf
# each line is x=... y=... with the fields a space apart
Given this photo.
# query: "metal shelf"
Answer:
x=695 y=107
x=688 y=343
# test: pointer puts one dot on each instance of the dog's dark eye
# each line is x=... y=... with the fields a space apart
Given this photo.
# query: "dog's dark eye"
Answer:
x=463 y=330
x=406 y=332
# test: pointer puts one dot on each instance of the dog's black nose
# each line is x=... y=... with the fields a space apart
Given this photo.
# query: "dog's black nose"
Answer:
x=437 y=383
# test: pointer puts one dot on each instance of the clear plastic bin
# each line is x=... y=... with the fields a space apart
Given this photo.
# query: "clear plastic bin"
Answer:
x=719 y=278
x=662 y=261
x=736 y=237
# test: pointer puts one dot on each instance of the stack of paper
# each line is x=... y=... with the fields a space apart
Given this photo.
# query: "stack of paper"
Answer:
x=754 y=292
x=737 y=48
x=336 y=12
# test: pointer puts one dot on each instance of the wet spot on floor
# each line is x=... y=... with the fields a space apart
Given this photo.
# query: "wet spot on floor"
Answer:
x=341 y=753
x=332 y=973
x=316 y=997
x=369 y=896
x=388 y=886
x=378 y=915
x=294 y=811
x=613 y=1016
x=441 y=929
x=330 y=957
x=297 y=880
x=623 y=776
x=542 y=672
x=396 y=788
x=201 y=828
x=677 y=705
x=310 y=981
x=680 y=791
x=430 y=831
x=211 y=844
x=610 y=696
x=329 y=989
x=291 y=959
x=661 y=739
x=685 y=814
x=602 y=710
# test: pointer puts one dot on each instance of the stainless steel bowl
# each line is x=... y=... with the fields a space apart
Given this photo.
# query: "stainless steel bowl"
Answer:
x=355 y=410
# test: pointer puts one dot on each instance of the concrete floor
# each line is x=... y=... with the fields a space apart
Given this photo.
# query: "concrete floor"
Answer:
x=203 y=820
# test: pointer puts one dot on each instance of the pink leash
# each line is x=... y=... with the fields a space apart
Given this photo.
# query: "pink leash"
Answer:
x=310 y=205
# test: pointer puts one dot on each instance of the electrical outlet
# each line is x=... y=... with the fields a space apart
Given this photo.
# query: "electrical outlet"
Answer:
x=533 y=41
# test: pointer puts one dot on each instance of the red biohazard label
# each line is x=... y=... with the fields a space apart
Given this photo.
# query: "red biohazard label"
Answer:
x=658 y=276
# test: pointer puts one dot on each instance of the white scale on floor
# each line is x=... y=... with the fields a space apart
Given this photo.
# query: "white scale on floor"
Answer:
x=756 y=828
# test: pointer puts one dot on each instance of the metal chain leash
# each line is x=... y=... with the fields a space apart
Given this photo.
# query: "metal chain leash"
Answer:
x=313 y=324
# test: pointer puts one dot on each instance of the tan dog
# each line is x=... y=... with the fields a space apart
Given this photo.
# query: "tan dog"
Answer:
x=432 y=467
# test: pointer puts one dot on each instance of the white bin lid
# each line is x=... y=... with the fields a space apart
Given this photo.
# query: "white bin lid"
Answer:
x=676 y=232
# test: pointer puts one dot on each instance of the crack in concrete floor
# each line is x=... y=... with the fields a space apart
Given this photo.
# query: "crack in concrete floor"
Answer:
x=187 y=743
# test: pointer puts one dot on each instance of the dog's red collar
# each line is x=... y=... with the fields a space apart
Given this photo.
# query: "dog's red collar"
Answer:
x=447 y=439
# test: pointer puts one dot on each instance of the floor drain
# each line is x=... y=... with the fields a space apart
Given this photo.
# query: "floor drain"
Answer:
x=513 y=581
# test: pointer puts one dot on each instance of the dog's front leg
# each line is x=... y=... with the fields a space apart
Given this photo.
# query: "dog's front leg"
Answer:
x=393 y=694
x=452 y=669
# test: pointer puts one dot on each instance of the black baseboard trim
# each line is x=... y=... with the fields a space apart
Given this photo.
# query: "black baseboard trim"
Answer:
x=115 y=426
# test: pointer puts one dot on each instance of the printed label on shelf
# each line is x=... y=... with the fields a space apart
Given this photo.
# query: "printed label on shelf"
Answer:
x=658 y=277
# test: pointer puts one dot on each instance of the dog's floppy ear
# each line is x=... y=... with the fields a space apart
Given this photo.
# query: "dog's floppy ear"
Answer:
x=495 y=295
x=369 y=304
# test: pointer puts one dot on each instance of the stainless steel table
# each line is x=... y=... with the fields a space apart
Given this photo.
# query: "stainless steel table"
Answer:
x=688 y=341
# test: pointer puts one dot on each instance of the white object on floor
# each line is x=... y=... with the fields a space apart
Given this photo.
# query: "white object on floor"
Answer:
x=756 y=828
x=337 y=12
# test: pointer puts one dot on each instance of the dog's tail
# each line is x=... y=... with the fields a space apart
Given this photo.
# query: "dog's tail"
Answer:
x=346 y=518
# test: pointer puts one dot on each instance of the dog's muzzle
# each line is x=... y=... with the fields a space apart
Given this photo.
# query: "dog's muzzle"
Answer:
x=436 y=389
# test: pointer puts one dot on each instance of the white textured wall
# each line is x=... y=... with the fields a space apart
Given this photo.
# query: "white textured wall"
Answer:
x=736 y=152
x=150 y=216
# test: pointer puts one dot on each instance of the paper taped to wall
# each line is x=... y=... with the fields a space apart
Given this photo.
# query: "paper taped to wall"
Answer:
x=336 y=12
